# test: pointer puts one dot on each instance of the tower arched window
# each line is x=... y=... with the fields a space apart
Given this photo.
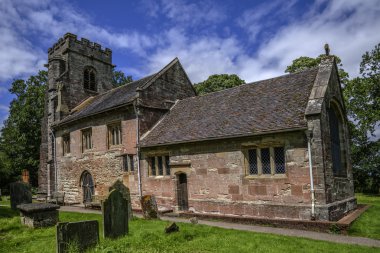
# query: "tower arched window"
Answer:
x=338 y=143
x=89 y=79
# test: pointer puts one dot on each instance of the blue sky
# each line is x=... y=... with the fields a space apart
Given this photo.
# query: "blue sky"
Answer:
x=253 y=39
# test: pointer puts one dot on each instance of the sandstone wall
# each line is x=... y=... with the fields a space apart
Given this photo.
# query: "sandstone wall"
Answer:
x=218 y=182
x=105 y=164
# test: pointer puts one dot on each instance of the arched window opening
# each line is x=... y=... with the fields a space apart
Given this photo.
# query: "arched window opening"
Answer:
x=337 y=137
x=89 y=79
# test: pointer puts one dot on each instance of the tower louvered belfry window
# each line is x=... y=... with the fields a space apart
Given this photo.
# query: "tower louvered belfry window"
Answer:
x=89 y=79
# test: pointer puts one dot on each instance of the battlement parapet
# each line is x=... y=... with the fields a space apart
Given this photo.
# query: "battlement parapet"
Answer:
x=84 y=46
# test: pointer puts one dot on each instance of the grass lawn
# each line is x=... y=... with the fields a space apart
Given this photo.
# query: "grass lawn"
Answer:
x=368 y=224
x=148 y=236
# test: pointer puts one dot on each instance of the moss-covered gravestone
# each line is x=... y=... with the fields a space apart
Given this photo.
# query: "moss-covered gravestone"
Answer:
x=20 y=194
x=115 y=215
x=77 y=236
x=118 y=185
x=149 y=207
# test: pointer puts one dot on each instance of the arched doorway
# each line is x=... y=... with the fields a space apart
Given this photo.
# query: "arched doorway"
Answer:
x=87 y=184
x=182 y=197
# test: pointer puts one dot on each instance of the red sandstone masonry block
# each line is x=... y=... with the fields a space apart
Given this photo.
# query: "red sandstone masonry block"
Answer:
x=223 y=171
x=296 y=190
x=233 y=189
x=257 y=189
x=239 y=209
x=237 y=197
x=201 y=171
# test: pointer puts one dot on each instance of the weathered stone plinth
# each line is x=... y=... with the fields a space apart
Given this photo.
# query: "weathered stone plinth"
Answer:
x=149 y=207
x=37 y=215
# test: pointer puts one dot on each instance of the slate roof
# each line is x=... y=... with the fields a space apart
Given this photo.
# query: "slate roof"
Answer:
x=108 y=100
x=271 y=105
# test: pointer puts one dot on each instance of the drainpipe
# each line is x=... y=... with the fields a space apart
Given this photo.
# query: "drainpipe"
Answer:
x=309 y=135
x=137 y=112
x=54 y=161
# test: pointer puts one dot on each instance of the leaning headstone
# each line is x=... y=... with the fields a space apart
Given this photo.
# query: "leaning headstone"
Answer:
x=81 y=235
x=20 y=194
x=115 y=215
x=118 y=185
x=172 y=227
x=149 y=207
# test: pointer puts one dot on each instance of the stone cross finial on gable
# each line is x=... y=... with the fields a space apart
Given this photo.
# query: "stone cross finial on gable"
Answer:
x=327 y=49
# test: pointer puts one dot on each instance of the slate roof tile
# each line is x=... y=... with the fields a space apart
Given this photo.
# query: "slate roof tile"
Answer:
x=264 y=106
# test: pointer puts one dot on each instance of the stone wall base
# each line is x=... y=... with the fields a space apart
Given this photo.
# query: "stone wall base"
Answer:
x=329 y=212
x=335 y=211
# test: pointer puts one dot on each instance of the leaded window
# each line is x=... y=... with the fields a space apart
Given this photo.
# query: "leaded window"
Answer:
x=128 y=162
x=89 y=79
x=114 y=134
x=252 y=157
x=266 y=161
x=279 y=160
x=66 y=144
x=86 y=139
x=159 y=166
x=337 y=143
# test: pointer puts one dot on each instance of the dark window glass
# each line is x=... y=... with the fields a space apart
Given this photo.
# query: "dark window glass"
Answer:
x=279 y=160
x=265 y=161
x=153 y=166
x=160 y=166
x=252 y=159
x=335 y=142
x=167 y=163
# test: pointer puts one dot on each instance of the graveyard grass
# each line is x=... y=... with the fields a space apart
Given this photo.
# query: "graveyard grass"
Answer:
x=149 y=236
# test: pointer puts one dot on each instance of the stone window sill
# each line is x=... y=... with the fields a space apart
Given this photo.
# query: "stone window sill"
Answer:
x=160 y=177
x=275 y=176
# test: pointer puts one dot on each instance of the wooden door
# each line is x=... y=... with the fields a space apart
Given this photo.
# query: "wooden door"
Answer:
x=182 y=195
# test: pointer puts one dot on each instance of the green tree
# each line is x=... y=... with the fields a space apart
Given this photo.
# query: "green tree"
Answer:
x=304 y=62
x=362 y=95
x=119 y=78
x=217 y=83
x=21 y=135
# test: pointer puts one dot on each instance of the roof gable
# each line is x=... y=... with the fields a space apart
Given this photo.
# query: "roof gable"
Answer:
x=114 y=98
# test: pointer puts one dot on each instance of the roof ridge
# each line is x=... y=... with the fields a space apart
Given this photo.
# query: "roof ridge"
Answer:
x=259 y=81
x=157 y=74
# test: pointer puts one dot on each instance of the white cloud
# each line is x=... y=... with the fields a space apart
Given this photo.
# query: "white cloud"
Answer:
x=351 y=28
x=186 y=13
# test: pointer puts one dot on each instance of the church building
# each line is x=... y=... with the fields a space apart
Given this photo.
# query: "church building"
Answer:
x=277 y=148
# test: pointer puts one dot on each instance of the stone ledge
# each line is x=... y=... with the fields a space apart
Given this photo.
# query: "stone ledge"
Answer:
x=37 y=207
x=340 y=226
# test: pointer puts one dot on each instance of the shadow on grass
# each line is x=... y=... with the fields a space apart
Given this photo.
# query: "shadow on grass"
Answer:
x=6 y=212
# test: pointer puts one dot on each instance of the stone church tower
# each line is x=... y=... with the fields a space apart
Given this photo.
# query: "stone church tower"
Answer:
x=77 y=70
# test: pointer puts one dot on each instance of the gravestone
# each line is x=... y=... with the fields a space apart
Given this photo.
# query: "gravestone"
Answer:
x=149 y=207
x=20 y=194
x=37 y=215
x=82 y=234
x=118 y=185
x=115 y=215
x=172 y=227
